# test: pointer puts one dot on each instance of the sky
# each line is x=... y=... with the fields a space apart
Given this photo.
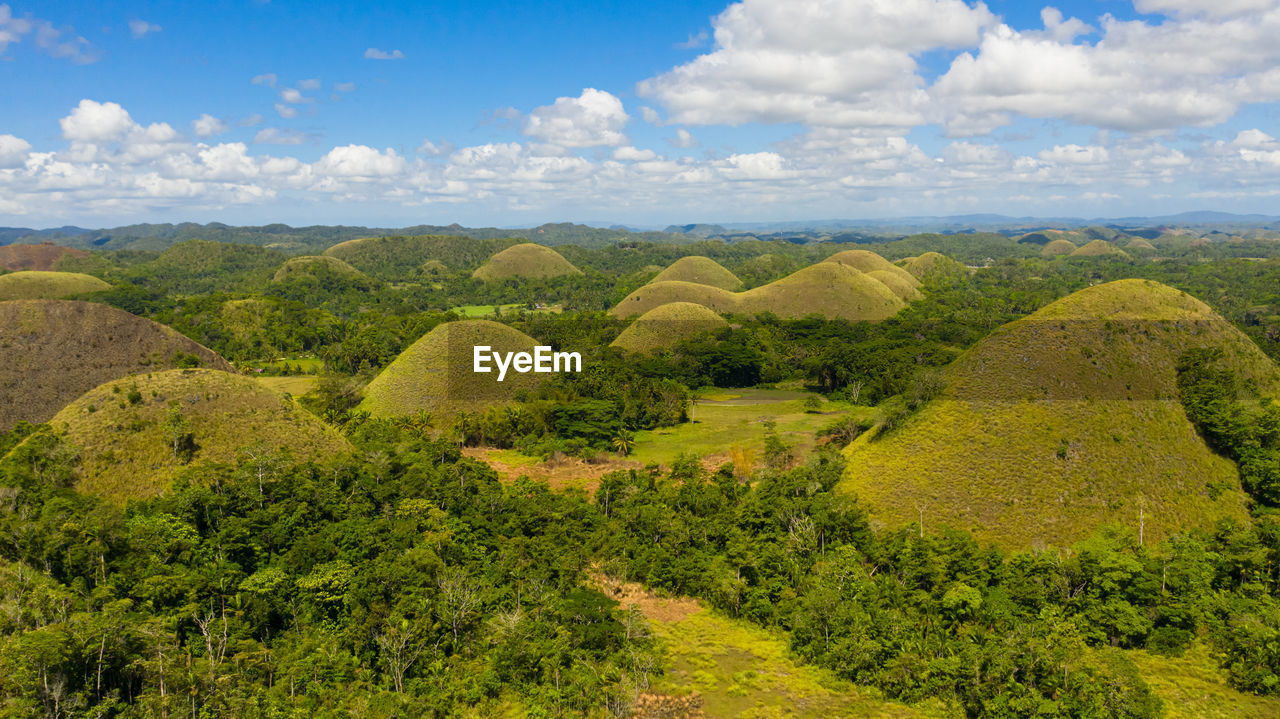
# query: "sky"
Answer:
x=638 y=113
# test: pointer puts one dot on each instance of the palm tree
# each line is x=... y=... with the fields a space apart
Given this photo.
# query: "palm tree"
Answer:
x=623 y=443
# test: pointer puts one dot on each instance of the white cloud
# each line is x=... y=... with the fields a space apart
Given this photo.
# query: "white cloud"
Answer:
x=683 y=139
x=140 y=28
x=269 y=79
x=1203 y=7
x=694 y=41
x=817 y=62
x=593 y=118
x=632 y=154
x=361 y=161
x=1075 y=155
x=310 y=84
x=13 y=151
x=286 y=111
x=92 y=121
x=52 y=41
x=277 y=136
x=207 y=126
x=293 y=96
x=650 y=115
x=374 y=53
x=345 y=86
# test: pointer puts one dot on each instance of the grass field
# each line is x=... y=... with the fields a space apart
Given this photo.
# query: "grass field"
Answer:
x=296 y=385
x=478 y=311
x=41 y=285
x=1193 y=687
x=727 y=419
x=527 y=260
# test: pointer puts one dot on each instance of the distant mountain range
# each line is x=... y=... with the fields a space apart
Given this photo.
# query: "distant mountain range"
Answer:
x=315 y=238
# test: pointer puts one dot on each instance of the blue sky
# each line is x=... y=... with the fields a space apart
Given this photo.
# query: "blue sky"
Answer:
x=643 y=113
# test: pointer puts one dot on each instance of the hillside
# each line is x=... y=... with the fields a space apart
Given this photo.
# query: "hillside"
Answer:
x=1058 y=247
x=435 y=373
x=56 y=350
x=867 y=261
x=1098 y=248
x=316 y=266
x=933 y=264
x=906 y=291
x=43 y=256
x=829 y=289
x=525 y=261
x=135 y=434
x=197 y=266
x=664 y=326
x=43 y=285
x=1063 y=421
x=700 y=270
x=1140 y=244
x=402 y=257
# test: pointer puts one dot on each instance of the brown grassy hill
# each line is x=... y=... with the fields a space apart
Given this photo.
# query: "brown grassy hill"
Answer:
x=868 y=261
x=664 y=326
x=42 y=285
x=829 y=289
x=1099 y=248
x=435 y=373
x=933 y=264
x=1063 y=421
x=1058 y=247
x=53 y=351
x=526 y=260
x=314 y=266
x=126 y=429
x=900 y=287
x=1140 y=244
x=700 y=270
x=35 y=257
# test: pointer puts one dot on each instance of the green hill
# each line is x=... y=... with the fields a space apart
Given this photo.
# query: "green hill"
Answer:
x=198 y=266
x=700 y=270
x=664 y=326
x=1063 y=421
x=317 y=266
x=56 y=350
x=435 y=373
x=1058 y=247
x=528 y=261
x=933 y=264
x=829 y=289
x=867 y=261
x=44 y=285
x=1099 y=248
x=398 y=257
x=135 y=434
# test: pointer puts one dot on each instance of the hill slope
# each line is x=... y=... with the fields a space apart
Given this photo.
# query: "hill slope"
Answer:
x=933 y=264
x=527 y=261
x=868 y=261
x=435 y=373
x=1098 y=248
x=43 y=285
x=43 y=256
x=1058 y=247
x=125 y=429
x=664 y=326
x=829 y=289
x=398 y=257
x=1062 y=421
x=315 y=266
x=56 y=350
x=700 y=270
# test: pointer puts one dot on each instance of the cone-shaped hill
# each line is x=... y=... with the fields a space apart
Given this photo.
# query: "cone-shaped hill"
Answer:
x=525 y=261
x=1140 y=244
x=933 y=264
x=1099 y=248
x=829 y=289
x=700 y=270
x=43 y=256
x=1063 y=421
x=317 y=266
x=1058 y=247
x=898 y=286
x=42 y=285
x=53 y=351
x=136 y=433
x=868 y=261
x=662 y=327
x=435 y=373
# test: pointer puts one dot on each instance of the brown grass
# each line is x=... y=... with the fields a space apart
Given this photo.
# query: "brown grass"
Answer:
x=700 y=270
x=525 y=260
x=35 y=257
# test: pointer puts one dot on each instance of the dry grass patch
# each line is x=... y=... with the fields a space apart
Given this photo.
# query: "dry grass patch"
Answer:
x=525 y=260
x=664 y=326
x=1058 y=247
x=43 y=256
x=43 y=285
x=702 y=271
x=1099 y=248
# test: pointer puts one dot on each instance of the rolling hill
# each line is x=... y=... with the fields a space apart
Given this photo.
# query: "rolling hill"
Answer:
x=933 y=264
x=525 y=261
x=867 y=261
x=400 y=257
x=662 y=327
x=1098 y=248
x=135 y=434
x=700 y=270
x=1063 y=421
x=828 y=289
x=317 y=266
x=906 y=291
x=1058 y=247
x=43 y=285
x=56 y=350
x=43 y=256
x=435 y=373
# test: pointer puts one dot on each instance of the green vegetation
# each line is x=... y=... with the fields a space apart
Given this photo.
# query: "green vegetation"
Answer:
x=134 y=435
x=319 y=267
x=525 y=261
x=1058 y=247
x=56 y=350
x=400 y=258
x=934 y=265
x=700 y=270
x=42 y=285
x=663 y=326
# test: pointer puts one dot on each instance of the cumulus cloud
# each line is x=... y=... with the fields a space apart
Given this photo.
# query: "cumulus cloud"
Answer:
x=277 y=136
x=286 y=111
x=816 y=62
x=310 y=84
x=592 y=119
x=268 y=79
x=13 y=151
x=683 y=139
x=92 y=121
x=140 y=28
x=207 y=126
x=293 y=96
x=632 y=154
x=374 y=53
x=361 y=161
